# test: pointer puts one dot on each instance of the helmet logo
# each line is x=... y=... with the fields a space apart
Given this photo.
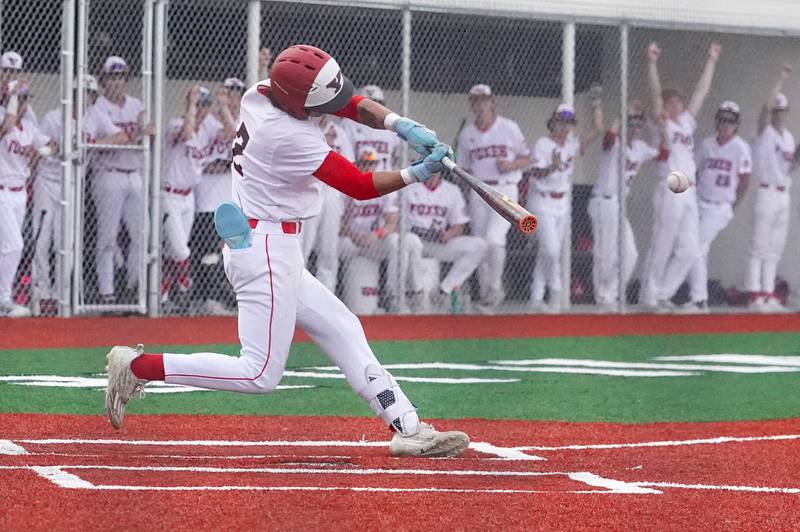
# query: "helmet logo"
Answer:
x=335 y=83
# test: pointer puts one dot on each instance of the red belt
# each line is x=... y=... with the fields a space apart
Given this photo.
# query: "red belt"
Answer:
x=554 y=195
x=13 y=189
x=780 y=188
x=290 y=228
x=180 y=191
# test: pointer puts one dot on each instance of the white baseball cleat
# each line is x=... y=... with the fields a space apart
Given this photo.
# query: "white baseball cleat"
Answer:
x=429 y=443
x=122 y=383
x=12 y=310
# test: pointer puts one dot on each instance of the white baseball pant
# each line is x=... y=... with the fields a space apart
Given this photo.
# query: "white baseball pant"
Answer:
x=674 y=247
x=604 y=215
x=770 y=228
x=322 y=233
x=12 y=214
x=553 y=215
x=274 y=292
x=465 y=252
x=385 y=248
x=493 y=229
x=47 y=216
x=714 y=217
x=176 y=225
x=118 y=198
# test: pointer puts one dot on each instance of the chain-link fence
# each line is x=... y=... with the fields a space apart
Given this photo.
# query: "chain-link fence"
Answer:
x=565 y=118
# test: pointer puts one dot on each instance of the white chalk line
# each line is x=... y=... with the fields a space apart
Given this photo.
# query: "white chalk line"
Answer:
x=9 y=447
x=525 y=369
x=591 y=363
x=753 y=489
x=665 y=443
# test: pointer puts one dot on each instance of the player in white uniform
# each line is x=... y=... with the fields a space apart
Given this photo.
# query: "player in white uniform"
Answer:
x=723 y=175
x=186 y=145
x=11 y=70
x=280 y=159
x=369 y=228
x=554 y=157
x=322 y=232
x=20 y=140
x=117 y=181
x=384 y=142
x=775 y=157
x=493 y=149
x=674 y=247
x=47 y=209
x=437 y=216
x=603 y=205
x=210 y=288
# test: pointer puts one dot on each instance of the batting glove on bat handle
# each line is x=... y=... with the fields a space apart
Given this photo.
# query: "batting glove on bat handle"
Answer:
x=421 y=138
x=429 y=166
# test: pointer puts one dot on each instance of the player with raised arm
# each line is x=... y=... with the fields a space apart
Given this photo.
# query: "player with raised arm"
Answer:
x=11 y=70
x=775 y=157
x=47 y=210
x=674 y=247
x=437 y=216
x=493 y=149
x=603 y=207
x=280 y=160
x=21 y=141
x=723 y=176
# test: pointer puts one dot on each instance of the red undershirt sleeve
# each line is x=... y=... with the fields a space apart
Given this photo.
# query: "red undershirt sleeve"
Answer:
x=351 y=109
x=343 y=175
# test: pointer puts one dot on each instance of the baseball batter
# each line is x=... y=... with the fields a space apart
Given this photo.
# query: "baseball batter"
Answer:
x=554 y=157
x=437 y=216
x=47 y=209
x=493 y=149
x=20 y=140
x=322 y=232
x=280 y=160
x=117 y=181
x=723 y=175
x=774 y=150
x=186 y=145
x=675 y=244
x=603 y=205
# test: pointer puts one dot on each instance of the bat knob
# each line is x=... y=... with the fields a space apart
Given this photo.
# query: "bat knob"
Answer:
x=527 y=225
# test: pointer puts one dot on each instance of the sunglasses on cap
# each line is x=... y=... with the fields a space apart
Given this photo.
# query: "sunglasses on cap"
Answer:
x=565 y=116
x=727 y=118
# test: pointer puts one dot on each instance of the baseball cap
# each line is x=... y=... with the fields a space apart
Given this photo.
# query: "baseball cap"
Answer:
x=89 y=82
x=729 y=106
x=115 y=65
x=564 y=112
x=781 y=102
x=233 y=83
x=11 y=60
x=204 y=96
x=373 y=92
x=481 y=89
x=368 y=154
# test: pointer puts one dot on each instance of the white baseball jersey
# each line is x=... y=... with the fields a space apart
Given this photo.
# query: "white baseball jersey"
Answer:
x=637 y=152
x=480 y=150
x=680 y=135
x=773 y=152
x=559 y=180
x=14 y=161
x=183 y=161
x=386 y=143
x=274 y=157
x=365 y=216
x=125 y=117
x=438 y=209
x=214 y=188
x=719 y=167
x=96 y=125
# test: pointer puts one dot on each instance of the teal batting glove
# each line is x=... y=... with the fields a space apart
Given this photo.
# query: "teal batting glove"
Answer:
x=429 y=166
x=421 y=139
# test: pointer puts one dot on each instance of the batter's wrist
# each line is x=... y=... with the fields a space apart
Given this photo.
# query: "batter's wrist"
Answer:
x=407 y=176
x=388 y=122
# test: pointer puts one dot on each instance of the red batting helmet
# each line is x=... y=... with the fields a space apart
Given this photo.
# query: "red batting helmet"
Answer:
x=304 y=78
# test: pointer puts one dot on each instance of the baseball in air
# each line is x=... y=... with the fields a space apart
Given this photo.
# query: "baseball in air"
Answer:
x=677 y=181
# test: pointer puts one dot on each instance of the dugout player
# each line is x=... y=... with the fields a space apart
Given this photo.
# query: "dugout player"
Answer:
x=493 y=149
x=186 y=145
x=11 y=70
x=21 y=141
x=437 y=216
x=603 y=207
x=280 y=160
x=723 y=175
x=117 y=180
x=674 y=247
x=385 y=143
x=776 y=157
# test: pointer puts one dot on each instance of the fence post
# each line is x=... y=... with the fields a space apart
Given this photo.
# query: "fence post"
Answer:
x=567 y=96
x=67 y=207
x=154 y=251
x=253 y=40
x=623 y=140
x=406 y=99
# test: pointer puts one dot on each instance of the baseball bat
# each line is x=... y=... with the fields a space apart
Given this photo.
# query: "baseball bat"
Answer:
x=520 y=218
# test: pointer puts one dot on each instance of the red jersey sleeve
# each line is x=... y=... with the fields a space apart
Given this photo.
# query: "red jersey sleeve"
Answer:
x=343 y=175
x=351 y=109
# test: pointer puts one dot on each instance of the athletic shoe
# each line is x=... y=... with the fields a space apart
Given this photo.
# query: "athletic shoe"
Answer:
x=492 y=298
x=665 y=306
x=213 y=307
x=429 y=443
x=694 y=307
x=12 y=310
x=772 y=304
x=758 y=304
x=122 y=383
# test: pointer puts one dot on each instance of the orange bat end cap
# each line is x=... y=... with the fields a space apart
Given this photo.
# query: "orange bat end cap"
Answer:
x=527 y=225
